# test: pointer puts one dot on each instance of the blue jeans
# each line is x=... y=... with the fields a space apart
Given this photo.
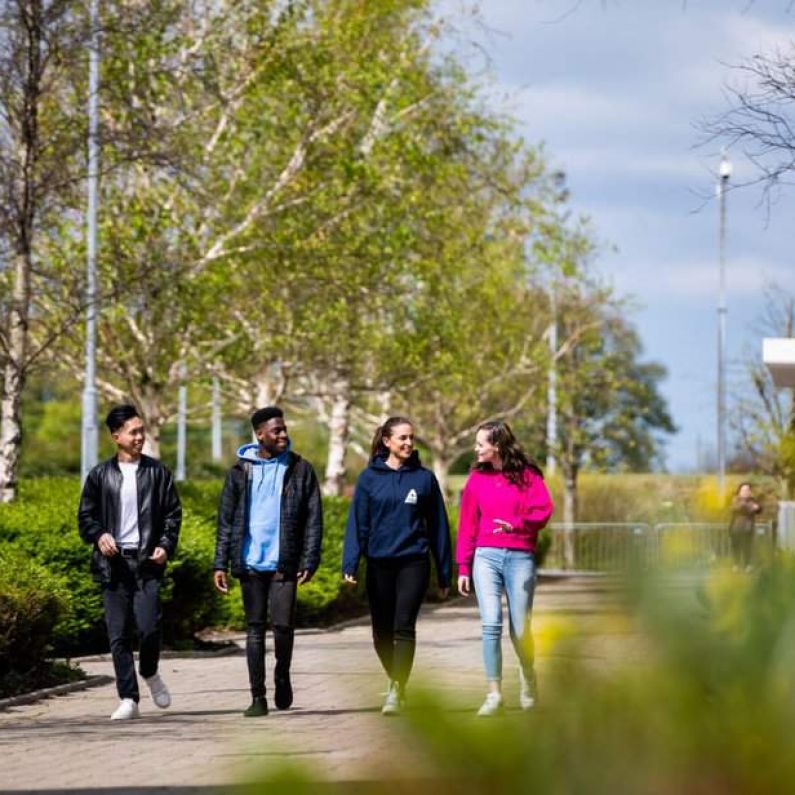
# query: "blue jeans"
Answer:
x=512 y=572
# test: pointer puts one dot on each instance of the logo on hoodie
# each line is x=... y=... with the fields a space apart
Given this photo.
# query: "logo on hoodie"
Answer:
x=411 y=498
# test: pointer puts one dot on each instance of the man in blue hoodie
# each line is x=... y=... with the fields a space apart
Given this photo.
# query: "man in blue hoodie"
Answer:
x=270 y=528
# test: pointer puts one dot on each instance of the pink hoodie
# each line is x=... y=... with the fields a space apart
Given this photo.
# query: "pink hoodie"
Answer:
x=490 y=495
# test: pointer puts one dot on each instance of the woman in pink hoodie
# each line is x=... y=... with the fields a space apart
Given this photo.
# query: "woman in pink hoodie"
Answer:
x=504 y=505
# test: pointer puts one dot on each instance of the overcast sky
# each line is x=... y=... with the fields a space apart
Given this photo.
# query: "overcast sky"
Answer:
x=615 y=90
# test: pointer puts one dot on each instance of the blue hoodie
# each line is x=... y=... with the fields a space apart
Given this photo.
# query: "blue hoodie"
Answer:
x=398 y=513
x=264 y=509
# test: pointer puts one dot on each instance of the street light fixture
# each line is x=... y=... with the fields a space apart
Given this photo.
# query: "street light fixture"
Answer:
x=725 y=172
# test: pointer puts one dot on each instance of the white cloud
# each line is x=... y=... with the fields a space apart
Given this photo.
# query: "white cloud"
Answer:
x=698 y=281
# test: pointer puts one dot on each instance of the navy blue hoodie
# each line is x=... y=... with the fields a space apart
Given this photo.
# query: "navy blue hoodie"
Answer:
x=398 y=513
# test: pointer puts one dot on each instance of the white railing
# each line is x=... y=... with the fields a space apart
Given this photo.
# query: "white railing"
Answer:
x=613 y=546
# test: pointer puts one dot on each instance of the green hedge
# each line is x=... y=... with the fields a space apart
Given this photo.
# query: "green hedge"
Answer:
x=32 y=602
x=42 y=526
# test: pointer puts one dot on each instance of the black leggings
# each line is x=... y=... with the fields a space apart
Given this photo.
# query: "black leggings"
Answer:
x=395 y=590
x=263 y=590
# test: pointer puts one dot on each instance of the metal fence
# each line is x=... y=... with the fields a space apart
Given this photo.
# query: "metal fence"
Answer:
x=597 y=546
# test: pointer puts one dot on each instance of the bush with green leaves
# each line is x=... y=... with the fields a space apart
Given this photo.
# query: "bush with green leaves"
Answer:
x=42 y=526
x=32 y=602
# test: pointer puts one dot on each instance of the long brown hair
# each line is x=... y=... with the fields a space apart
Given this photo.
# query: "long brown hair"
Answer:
x=378 y=448
x=515 y=461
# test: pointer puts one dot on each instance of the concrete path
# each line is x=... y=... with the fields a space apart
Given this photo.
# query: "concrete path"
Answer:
x=335 y=727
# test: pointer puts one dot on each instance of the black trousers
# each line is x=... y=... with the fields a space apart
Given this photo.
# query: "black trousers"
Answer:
x=742 y=544
x=395 y=590
x=267 y=592
x=130 y=597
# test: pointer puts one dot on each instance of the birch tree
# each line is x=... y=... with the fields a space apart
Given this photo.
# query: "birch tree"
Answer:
x=39 y=43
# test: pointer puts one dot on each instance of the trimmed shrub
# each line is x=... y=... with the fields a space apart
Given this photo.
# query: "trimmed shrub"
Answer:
x=32 y=602
x=41 y=525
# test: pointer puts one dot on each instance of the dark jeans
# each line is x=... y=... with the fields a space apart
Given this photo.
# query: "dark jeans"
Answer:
x=395 y=590
x=264 y=592
x=132 y=596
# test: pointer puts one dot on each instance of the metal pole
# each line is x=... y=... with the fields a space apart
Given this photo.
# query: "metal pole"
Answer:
x=725 y=173
x=89 y=437
x=552 y=393
x=216 y=420
x=182 y=415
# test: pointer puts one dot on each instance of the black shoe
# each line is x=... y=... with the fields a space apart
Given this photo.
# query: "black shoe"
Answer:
x=284 y=692
x=258 y=708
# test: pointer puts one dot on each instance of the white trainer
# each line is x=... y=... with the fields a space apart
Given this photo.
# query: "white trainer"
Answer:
x=127 y=710
x=159 y=691
x=527 y=691
x=393 y=703
x=491 y=706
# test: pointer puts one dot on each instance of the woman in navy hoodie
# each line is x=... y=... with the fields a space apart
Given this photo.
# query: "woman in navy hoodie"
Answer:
x=396 y=519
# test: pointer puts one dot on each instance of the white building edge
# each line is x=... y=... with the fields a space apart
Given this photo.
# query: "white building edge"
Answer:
x=778 y=354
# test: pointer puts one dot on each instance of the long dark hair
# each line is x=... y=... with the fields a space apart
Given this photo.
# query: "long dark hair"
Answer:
x=378 y=449
x=515 y=461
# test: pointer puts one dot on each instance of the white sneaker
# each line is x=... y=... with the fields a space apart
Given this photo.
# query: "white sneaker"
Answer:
x=527 y=692
x=127 y=710
x=491 y=706
x=393 y=703
x=159 y=691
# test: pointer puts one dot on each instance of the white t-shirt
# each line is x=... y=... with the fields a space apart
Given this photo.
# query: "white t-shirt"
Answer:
x=128 y=535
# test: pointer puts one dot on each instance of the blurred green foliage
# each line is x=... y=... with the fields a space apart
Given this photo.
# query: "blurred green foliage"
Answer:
x=704 y=705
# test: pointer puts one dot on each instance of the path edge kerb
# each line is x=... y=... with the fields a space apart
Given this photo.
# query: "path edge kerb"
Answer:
x=58 y=690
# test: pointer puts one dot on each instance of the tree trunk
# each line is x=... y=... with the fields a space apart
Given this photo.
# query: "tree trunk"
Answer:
x=153 y=415
x=569 y=517
x=14 y=380
x=339 y=434
x=10 y=431
x=269 y=385
x=441 y=468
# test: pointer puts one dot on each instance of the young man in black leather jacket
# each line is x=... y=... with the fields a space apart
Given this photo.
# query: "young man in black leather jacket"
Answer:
x=131 y=514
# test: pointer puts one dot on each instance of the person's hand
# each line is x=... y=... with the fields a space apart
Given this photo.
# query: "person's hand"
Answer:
x=464 y=585
x=444 y=593
x=220 y=581
x=349 y=578
x=107 y=545
x=304 y=576
x=159 y=556
x=502 y=526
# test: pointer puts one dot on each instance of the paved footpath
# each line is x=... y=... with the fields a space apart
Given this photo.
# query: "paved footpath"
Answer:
x=335 y=727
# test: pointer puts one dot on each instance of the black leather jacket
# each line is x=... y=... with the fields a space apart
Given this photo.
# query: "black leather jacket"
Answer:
x=159 y=512
x=300 y=527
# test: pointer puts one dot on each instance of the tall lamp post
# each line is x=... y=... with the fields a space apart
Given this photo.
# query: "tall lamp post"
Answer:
x=552 y=388
x=725 y=173
x=89 y=440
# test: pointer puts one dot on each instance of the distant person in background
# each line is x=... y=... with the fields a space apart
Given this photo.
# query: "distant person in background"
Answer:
x=396 y=519
x=270 y=529
x=504 y=505
x=131 y=514
x=742 y=526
